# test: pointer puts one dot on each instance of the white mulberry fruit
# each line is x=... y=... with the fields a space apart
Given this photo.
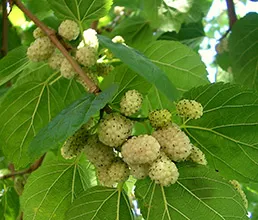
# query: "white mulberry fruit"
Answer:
x=86 y=56
x=66 y=69
x=69 y=30
x=119 y=171
x=197 y=156
x=90 y=39
x=91 y=75
x=41 y=49
x=174 y=142
x=104 y=177
x=163 y=171
x=56 y=60
x=131 y=102
x=97 y=153
x=118 y=39
x=238 y=188
x=114 y=129
x=37 y=33
x=139 y=171
x=189 y=109
x=140 y=150
x=160 y=118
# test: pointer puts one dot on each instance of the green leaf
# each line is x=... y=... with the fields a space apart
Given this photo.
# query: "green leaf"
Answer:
x=13 y=64
x=101 y=203
x=227 y=131
x=199 y=194
x=66 y=123
x=243 y=50
x=24 y=110
x=52 y=188
x=41 y=10
x=143 y=66
x=183 y=66
x=79 y=10
x=166 y=15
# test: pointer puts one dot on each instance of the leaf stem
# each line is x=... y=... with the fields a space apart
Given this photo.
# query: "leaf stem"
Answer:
x=4 y=49
x=52 y=36
x=32 y=168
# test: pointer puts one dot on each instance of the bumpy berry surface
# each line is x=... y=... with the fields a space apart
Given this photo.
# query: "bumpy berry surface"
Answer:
x=238 y=188
x=197 y=156
x=139 y=171
x=37 y=33
x=114 y=129
x=174 y=142
x=189 y=109
x=131 y=102
x=41 y=49
x=140 y=150
x=75 y=144
x=67 y=70
x=91 y=75
x=118 y=171
x=163 y=171
x=55 y=60
x=86 y=56
x=118 y=39
x=104 y=177
x=103 y=69
x=90 y=39
x=69 y=30
x=160 y=118
x=97 y=153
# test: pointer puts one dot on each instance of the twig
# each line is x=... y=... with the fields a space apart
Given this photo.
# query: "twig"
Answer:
x=231 y=13
x=52 y=36
x=32 y=168
x=4 y=49
x=94 y=24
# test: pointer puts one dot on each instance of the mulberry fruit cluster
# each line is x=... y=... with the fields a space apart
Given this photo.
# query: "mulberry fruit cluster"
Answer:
x=189 y=108
x=69 y=30
x=131 y=102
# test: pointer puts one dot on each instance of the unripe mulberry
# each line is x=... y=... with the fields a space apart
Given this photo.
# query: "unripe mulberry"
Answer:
x=66 y=69
x=104 y=177
x=139 y=171
x=97 y=153
x=103 y=69
x=163 y=171
x=140 y=150
x=197 y=156
x=86 y=56
x=119 y=171
x=131 y=102
x=114 y=129
x=118 y=39
x=160 y=118
x=37 y=33
x=69 y=30
x=91 y=75
x=56 y=60
x=174 y=142
x=189 y=109
x=90 y=39
x=238 y=188
x=41 y=49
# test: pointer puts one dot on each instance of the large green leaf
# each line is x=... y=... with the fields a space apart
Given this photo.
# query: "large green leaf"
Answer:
x=79 y=10
x=243 y=49
x=199 y=194
x=143 y=66
x=66 y=123
x=24 y=110
x=227 y=131
x=183 y=66
x=166 y=15
x=101 y=203
x=51 y=189
x=13 y=64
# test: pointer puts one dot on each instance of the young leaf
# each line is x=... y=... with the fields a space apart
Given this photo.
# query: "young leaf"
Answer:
x=24 y=110
x=101 y=203
x=69 y=121
x=143 y=66
x=51 y=189
x=227 y=131
x=199 y=194
x=13 y=64
x=183 y=66
x=243 y=50
x=79 y=10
